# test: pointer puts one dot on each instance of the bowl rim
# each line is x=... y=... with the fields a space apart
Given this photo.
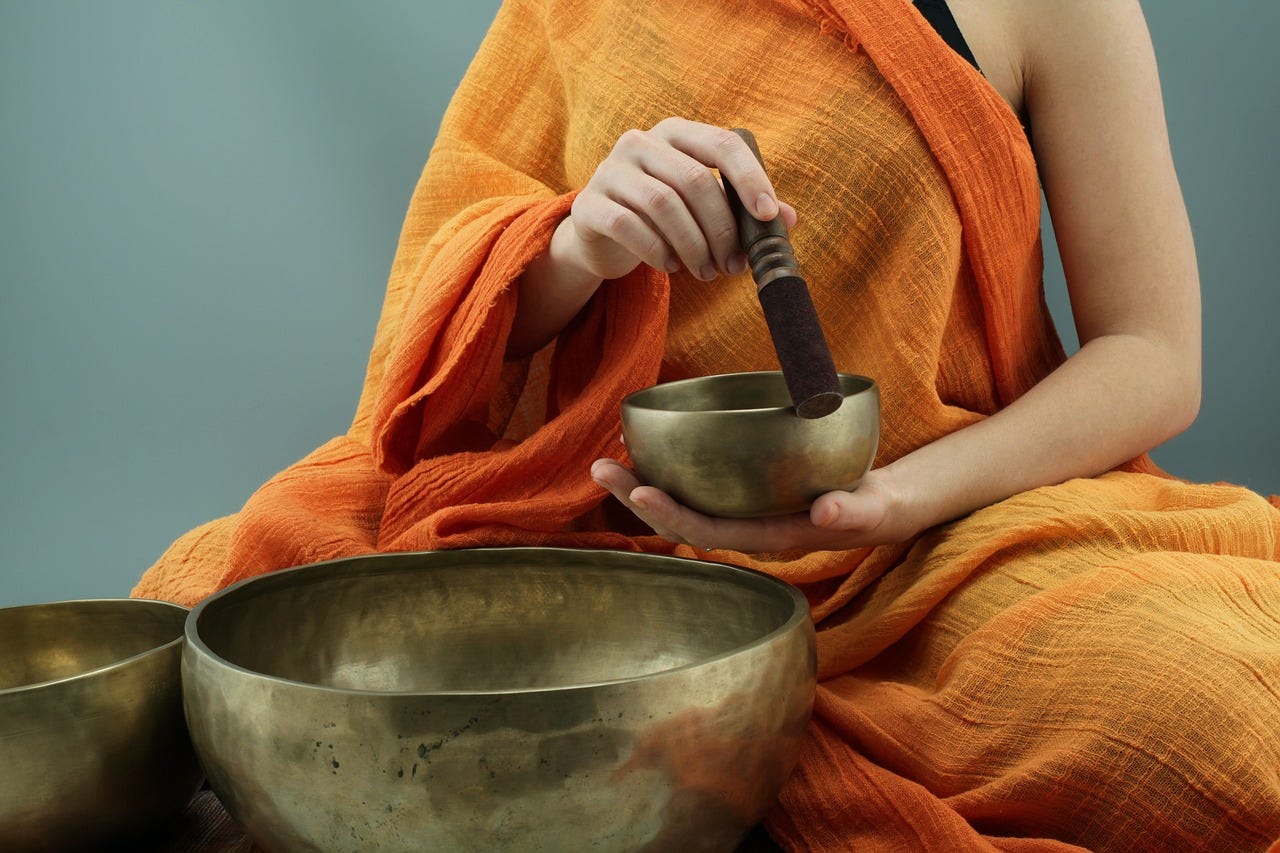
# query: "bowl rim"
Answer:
x=635 y=400
x=105 y=668
x=197 y=646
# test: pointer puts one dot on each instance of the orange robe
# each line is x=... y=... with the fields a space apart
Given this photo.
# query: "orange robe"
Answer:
x=1094 y=664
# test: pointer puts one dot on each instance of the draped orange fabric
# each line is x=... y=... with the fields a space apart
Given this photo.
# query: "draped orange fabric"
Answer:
x=1089 y=665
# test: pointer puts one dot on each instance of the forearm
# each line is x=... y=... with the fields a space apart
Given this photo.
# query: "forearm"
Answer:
x=1118 y=397
x=552 y=290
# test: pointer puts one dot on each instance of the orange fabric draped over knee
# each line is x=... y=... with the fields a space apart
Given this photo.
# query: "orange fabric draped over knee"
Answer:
x=1003 y=682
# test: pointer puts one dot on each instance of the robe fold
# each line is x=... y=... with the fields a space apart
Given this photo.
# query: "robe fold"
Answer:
x=1090 y=665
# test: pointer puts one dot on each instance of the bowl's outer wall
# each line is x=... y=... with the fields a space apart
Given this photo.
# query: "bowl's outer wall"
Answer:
x=743 y=464
x=687 y=759
x=94 y=759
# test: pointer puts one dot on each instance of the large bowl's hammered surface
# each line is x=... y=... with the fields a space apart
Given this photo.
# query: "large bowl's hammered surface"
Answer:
x=500 y=699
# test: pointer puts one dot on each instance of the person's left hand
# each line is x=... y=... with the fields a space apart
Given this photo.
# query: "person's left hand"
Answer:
x=837 y=521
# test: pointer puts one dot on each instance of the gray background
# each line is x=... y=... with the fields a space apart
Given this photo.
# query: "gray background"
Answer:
x=199 y=204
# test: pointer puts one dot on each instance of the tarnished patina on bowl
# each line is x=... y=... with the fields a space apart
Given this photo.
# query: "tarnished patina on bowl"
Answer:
x=93 y=745
x=500 y=699
x=731 y=445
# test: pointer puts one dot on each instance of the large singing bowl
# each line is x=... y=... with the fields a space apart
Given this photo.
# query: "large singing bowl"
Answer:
x=732 y=445
x=500 y=699
x=93 y=746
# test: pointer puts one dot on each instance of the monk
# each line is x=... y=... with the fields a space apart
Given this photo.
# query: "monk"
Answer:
x=1030 y=638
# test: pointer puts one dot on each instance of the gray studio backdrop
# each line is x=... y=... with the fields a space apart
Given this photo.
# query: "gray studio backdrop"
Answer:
x=199 y=204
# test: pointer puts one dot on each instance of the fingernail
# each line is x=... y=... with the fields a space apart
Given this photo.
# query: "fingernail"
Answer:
x=828 y=515
x=673 y=266
x=737 y=263
x=708 y=272
x=766 y=208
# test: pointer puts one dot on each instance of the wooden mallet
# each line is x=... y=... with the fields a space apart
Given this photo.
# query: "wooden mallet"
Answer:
x=805 y=358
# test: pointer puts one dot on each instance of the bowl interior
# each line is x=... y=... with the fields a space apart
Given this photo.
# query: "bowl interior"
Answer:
x=730 y=392
x=48 y=642
x=491 y=619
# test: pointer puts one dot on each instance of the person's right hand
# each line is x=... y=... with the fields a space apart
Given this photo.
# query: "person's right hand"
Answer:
x=655 y=200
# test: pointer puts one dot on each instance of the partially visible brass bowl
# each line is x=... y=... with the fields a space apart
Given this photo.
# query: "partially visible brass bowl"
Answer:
x=500 y=699
x=93 y=745
x=732 y=445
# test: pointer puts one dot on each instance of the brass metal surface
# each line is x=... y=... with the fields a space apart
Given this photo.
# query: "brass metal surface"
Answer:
x=500 y=699
x=93 y=745
x=731 y=445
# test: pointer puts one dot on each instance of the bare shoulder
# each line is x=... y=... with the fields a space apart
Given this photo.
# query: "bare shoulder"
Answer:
x=1083 y=74
x=1027 y=48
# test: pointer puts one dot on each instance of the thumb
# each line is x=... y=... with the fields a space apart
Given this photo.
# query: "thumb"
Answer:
x=847 y=511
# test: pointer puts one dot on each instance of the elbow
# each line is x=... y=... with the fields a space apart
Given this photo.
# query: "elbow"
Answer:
x=1182 y=400
x=1186 y=408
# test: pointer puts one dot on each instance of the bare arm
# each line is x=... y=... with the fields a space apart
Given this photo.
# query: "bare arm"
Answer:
x=1092 y=93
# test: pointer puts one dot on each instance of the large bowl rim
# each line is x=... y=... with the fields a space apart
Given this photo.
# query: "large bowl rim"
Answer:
x=197 y=646
x=635 y=400
x=105 y=668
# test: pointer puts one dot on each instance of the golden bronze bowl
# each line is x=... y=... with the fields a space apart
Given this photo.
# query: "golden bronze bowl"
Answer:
x=500 y=699
x=93 y=746
x=732 y=446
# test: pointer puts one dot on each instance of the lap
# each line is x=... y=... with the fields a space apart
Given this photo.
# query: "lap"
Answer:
x=1073 y=668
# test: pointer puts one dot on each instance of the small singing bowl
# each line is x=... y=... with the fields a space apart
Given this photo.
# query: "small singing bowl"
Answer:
x=93 y=743
x=531 y=699
x=733 y=446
